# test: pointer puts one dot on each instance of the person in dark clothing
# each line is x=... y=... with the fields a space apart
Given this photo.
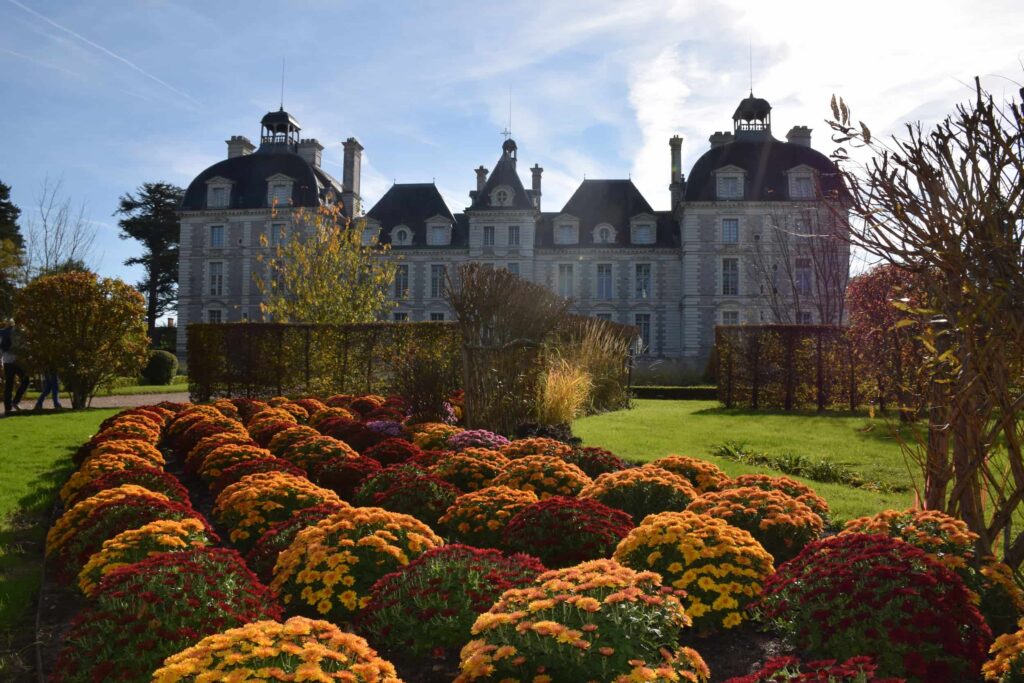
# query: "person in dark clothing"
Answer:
x=51 y=386
x=12 y=368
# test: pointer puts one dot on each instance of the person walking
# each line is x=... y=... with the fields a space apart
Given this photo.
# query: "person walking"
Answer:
x=51 y=385
x=9 y=345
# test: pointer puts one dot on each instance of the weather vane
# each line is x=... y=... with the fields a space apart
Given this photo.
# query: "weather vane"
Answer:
x=508 y=129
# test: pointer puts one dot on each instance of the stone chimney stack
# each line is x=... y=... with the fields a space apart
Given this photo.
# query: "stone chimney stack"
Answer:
x=311 y=150
x=481 y=178
x=720 y=138
x=799 y=135
x=239 y=146
x=351 y=171
x=675 y=143
x=537 y=171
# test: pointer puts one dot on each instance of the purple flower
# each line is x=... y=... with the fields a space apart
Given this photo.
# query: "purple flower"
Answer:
x=476 y=438
x=388 y=428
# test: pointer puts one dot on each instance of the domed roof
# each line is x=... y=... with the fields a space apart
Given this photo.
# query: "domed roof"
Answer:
x=249 y=173
x=766 y=162
x=752 y=109
x=279 y=118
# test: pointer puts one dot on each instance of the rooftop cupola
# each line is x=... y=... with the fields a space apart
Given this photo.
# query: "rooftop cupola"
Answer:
x=509 y=147
x=752 y=119
x=280 y=132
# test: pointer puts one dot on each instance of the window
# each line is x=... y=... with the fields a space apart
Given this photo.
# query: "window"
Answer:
x=604 y=281
x=804 y=318
x=216 y=236
x=513 y=235
x=214 y=315
x=604 y=316
x=501 y=197
x=604 y=234
x=730 y=277
x=217 y=197
x=565 y=277
x=488 y=235
x=730 y=187
x=643 y=234
x=402 y=281
x=642 y=283
x=400 y=316
x=643 y=324
x=369 y=235
x=513 y=268
x=801 y=187
x=800 y=226
x=803 y=276
x=730 y=317
x=437 y=317
x=402 y=236
x=730 y=230
x=437 y=274
x=276 y=234
x=438 y=235
x=566 y=234
x=280 y=194
x=216 y=278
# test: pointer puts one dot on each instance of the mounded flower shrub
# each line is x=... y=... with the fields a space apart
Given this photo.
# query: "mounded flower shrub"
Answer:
x=382 y=480
x=597 y=621
x=345 y=475
x=565 y=531
x=860 y=594
x=227 y=455
x=479 y=518
x=186 y=418
x=641 y=491
x=792 y=670
x=595 y=461
x=476 y=438
x=468 y=472
x=298 y=650
x=207 y=427
x=366 y=404
x=426 y=498
x=393 y=451
x=791 y=487
x=330 y=568
x=196 y=456
x=783 y=525
x=227 y=408
x=142 y=449
x=1006 y=664
x=703 y=475
x=520 y=448
x=254 y=503
x=428 y=607
x=71 y=522
x=317 y=419
x=243 y=469
x=263 y=556
x=545 y=475
x=135 y=545
x=286 y=438
x=310 y=452
x=149 y=478
x=721 y=568
x=432 y=435
x=98 y=465
x=154 y=608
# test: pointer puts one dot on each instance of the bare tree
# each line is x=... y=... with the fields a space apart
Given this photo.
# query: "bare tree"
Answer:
x=948 y=205
x=58 y=237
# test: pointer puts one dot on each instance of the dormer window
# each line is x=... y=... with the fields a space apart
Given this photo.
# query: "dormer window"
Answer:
x=565 y=233
x=369 y=235
x=643 y=233
x=279 y=190
x=218 y=197
x=801 y=186
x=501 y=196
x=604 y=234
x=730 y=186
x=401 y=236
x=439 y=235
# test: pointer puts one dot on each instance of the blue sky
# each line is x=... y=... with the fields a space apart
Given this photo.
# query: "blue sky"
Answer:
x=107 y=95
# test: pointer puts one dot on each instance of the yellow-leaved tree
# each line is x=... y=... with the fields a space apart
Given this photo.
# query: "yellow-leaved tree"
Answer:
x=323 y=272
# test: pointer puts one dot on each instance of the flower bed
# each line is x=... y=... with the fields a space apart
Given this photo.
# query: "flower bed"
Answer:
x=566 y=531
x=704 y=476
x=595 y=461
x=468 y=472
x=310 y=452
x=345 y=475
x=641 y=491
x=520 y=448
x=263 y=556
x=479 y=518
x=545 y=475
x=792 y=670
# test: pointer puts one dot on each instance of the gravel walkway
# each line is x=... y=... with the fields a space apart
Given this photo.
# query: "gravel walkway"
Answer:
x=130 y=401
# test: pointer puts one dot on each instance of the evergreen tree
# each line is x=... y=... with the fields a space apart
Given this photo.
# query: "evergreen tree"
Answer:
x=150 y=216
x=12 y=247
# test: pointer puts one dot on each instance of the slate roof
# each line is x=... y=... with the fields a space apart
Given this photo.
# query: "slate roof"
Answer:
x=504 y=173
x=766 y=161
x=249 y=174
x=411 y=204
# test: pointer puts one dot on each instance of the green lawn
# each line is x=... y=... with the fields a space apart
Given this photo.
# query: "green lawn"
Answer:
x=129 y=390
x=36 y=461
x=655 y=428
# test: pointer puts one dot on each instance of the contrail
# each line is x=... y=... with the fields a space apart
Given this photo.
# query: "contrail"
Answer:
x=104 y=50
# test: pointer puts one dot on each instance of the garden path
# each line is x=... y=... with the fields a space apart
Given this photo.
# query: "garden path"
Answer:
x=129 y=401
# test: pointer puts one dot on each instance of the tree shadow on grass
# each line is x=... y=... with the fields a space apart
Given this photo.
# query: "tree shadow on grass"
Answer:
x=22 y=538
x=882 y=428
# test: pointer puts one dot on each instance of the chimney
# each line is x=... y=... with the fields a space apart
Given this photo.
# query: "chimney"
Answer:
x=799 y=135
x=312 y=151
x=351 y=172
x=481 y=178
x=537 y=171
x=675 y=143
x=239 y=146
x=720 y=138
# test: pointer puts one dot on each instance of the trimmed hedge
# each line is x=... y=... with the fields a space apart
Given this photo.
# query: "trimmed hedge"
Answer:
x=161 y=368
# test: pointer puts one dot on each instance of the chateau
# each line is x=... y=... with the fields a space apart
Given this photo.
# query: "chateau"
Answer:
x=747 y=239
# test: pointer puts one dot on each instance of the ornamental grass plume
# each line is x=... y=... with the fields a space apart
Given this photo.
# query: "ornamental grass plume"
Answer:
x=705 y=476
x=1006 y=661
x=859 y=594
x=149 y=610
x=330 y=567
x=719 y=568
x=562 y=393
x=298 y=650
x=545 y=475
x=135 y=545
x=256 y=502
x=641 y=491
x=428 y=607
x=783 y=525
x=597 y=621
x=479 y=518
x=565 y=531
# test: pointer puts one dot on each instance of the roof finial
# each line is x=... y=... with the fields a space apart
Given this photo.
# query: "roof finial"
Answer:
x=508 y=129
x=750 y=54
x=282 y=84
